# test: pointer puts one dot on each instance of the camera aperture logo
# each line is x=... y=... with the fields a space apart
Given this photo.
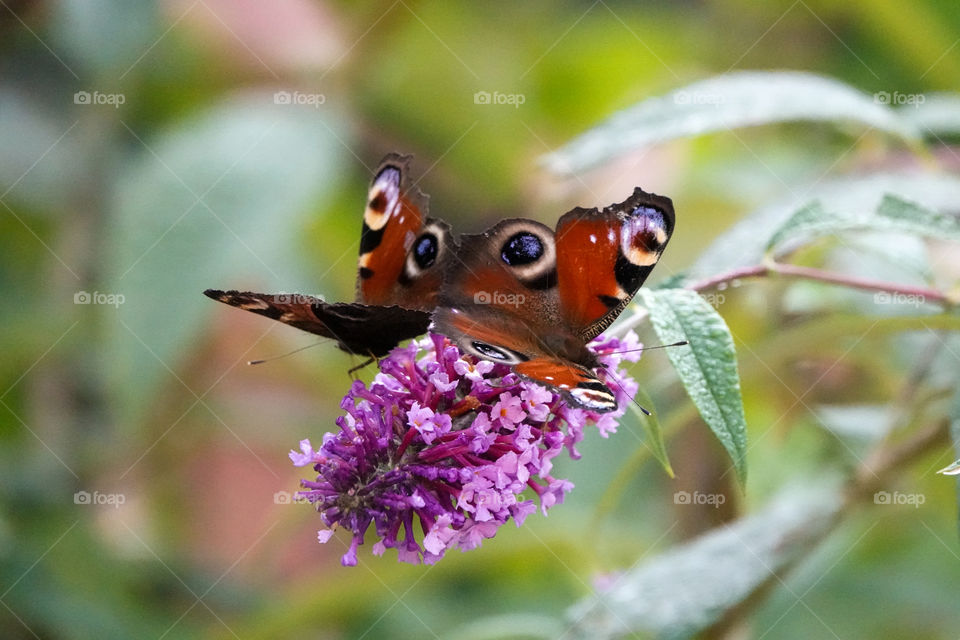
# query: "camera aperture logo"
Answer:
x=299 y=98
x=95 y=97
x=98 y=297
x=485 y=97
x=96 y=498
x=499 y=298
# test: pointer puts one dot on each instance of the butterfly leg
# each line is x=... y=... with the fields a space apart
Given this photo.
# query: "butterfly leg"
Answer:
x=352 y=370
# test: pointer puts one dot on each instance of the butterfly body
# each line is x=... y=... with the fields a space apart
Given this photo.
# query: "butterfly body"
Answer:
x=519 y=294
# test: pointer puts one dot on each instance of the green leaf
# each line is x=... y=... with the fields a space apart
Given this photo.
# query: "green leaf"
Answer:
x=728 y=101
x=707 y=367
x=811 y=220
x=903 y=215
x=687 y=589
x=744 y=244
x=654 y=432
x=893 y=214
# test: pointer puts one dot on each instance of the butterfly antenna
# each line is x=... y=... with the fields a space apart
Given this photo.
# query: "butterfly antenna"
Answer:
x=613 y=379
x=659 y=346
x=284 y=355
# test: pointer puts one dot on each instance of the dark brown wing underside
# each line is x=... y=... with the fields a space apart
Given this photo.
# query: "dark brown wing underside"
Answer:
x=357 y=328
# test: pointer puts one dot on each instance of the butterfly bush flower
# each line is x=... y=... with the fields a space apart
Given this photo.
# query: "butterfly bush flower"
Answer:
x=442 y=449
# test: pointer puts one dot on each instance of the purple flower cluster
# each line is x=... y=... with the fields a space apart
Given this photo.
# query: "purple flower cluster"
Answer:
x=452 y=444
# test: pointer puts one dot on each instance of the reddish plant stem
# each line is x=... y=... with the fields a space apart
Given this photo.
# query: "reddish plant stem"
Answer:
x=407 y=439
x=819 y=275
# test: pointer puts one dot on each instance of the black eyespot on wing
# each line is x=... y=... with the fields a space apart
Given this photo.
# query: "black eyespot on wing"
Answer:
x=651 y=228
x=490 y=351
x=365 y=273
x=425 y=250
x=378 y=203
x=648 y=240
x=522 y=248
x=500 y=354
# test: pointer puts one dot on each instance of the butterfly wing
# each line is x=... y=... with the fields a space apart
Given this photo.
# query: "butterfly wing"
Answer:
x=580 y=386
x=604 y=256
x=500 y=303
x=508 y=269
x=531 y=298
x=357 y=328
x=399 y=273
x=401 y=250
x=505 y=338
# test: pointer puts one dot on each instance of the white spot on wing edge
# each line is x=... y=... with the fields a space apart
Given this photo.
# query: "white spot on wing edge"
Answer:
x=386 y=186
x=374 y=219
x=593 y=399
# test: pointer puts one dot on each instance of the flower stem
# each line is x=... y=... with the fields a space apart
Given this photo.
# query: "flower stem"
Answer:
x=407 y=439
x=820 y=275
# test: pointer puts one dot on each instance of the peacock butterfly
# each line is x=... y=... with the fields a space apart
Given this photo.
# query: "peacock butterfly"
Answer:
x=519 y=293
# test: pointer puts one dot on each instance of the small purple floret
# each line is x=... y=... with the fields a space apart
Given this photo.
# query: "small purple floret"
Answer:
x=445 y=449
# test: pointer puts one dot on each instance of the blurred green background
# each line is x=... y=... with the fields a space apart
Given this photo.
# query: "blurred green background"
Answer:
x=148 y=152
